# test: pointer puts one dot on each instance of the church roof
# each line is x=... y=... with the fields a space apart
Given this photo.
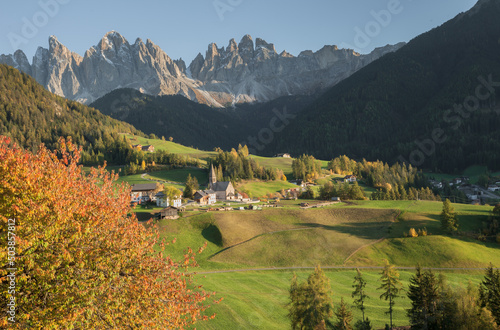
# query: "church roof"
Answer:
x=220 y=186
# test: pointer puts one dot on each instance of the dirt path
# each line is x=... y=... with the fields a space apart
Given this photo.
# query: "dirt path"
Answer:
x=328 y=267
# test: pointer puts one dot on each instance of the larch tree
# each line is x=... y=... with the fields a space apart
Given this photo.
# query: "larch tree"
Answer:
x=310 y=303
x=391 y=286
x=359 y=292
x=81 y=259
x=448 y=217
x=344 y=316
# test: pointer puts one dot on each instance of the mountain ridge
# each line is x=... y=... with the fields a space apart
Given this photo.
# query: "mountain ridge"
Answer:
x=242 y=72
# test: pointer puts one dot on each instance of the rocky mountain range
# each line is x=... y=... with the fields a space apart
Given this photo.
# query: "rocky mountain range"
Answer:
x=241 y=72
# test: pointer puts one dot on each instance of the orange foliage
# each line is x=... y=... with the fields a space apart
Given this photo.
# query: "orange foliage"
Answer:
x=82 y=260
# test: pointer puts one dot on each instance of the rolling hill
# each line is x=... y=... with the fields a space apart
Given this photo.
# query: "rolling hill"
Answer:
x=251 y=256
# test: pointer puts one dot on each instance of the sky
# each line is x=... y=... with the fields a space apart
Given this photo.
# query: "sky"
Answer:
x=184 y=28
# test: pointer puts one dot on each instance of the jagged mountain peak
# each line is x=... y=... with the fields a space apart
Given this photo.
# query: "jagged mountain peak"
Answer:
x=246 y=43
x=261 y=43
x=242 y=72
x=232 y=46
x=112 y=41
x=284 y=53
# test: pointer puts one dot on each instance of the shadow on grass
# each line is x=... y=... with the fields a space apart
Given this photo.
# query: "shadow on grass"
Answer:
x=143 y=216
x=212 y=234
x=366 y=230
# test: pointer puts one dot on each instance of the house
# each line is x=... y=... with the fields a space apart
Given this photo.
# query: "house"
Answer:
x=169 y=213
x=163 y=201
x=285 y=155
x=299 y=182
x=148 y=148
x=493 y=188
x=144 y=192
x=292 y=193
x=205 y=197
x=436 y=184
x=223 y=190
x=136 y=146
x=350 y=178
x=457 y=181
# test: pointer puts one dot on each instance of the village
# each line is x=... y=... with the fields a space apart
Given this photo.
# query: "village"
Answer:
x=476 y=194
x=218 y=196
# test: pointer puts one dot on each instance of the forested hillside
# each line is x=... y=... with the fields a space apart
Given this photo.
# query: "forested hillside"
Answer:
x=31 y=115
x=194 y=124
x=441 y=87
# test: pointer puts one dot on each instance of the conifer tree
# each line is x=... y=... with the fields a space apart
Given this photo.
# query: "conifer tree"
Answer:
x=489 y=292
x=310 y=302
x=391 y=286
x=424 y=296
x=359 y=292
x=344 y=316
x=448 y=217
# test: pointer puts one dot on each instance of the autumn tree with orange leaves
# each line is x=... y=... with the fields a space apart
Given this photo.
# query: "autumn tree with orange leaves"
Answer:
x=82 y=259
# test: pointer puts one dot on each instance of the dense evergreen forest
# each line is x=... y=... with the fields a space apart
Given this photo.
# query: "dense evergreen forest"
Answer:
x=194 y=124
x=433 y=102
x=31 y=115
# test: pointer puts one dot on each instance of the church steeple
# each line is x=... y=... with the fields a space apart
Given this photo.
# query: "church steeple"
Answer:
x=212 y=177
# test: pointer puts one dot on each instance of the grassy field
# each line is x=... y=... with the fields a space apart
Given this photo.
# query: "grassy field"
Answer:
x=284 y=164
x=262 y=188
x=132 y=179
x=294 y=237
x=180 y=175
x=257 y=300
x=356 y=234
x=171 y=147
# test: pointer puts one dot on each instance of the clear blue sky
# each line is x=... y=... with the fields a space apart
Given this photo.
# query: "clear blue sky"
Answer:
x=183 y=28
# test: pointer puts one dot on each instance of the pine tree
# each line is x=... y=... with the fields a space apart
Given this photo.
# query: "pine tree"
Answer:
x=359 y=292
x=344 y=316
x=424 y=296
x=448 y=217
x=391 y=286
x=363 y=325
x=489 y=292
x=191 y=186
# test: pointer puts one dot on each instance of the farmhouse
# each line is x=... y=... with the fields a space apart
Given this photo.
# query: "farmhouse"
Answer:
x=163 y=201
x=350 y=178
x=493 y=188
x=205 y=197
x=283 y=155
x=223 y=190
x=148 y=148
x=169 y=213
x=144 y=192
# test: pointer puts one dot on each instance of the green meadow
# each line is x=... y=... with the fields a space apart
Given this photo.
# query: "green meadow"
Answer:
x=241 y=244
